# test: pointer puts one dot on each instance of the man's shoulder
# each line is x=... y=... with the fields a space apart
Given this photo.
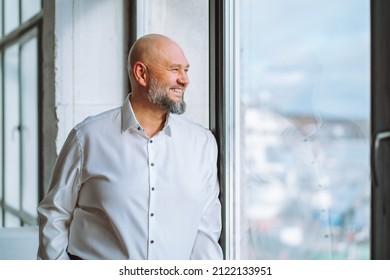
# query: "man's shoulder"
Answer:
x=186 y=124
x=191 y=129
x=103 y=120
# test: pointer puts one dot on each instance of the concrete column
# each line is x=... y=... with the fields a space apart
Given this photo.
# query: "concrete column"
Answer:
x=84 y=67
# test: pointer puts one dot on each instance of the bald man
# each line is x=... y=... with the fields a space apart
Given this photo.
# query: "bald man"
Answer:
x=139 y=181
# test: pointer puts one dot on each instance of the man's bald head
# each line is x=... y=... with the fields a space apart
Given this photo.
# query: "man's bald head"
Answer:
x=148 y=49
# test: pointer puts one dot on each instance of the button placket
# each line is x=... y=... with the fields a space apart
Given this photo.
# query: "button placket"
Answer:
x=152 y=182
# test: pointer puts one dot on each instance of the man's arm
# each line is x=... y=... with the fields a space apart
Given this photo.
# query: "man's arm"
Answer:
x=206 y=244
x=55 y=210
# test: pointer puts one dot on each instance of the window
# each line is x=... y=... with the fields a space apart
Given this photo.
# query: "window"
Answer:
x=297 y=112
x=19 y=131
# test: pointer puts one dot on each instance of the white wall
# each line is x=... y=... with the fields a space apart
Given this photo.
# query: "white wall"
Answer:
x=90 y=60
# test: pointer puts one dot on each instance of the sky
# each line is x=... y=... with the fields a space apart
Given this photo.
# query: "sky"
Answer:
x=293 y=52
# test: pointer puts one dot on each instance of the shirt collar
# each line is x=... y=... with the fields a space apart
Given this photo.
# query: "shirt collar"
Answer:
x=129 y=119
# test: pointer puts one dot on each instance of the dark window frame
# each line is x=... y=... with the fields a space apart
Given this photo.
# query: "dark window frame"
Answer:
x=380 y=124
x=217 y=98
x=21 y=34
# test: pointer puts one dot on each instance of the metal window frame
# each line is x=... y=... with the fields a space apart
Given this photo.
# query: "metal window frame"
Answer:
x=131 y=33
x=224 y=115
x=24 y=32
x=380 y=130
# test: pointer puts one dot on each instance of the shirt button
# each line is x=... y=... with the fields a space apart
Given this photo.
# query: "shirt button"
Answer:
x=152 y=189
x=139 y=128
x=152 y=164
x=151 y=241
x=151 y=214
x=150 y=141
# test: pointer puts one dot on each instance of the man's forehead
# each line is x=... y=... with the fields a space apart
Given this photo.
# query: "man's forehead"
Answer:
x=172 y=57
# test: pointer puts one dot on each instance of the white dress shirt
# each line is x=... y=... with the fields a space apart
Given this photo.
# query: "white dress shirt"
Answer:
x=115 y=193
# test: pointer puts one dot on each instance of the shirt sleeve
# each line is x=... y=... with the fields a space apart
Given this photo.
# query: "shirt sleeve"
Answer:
x=206 y=246
x=55 y=210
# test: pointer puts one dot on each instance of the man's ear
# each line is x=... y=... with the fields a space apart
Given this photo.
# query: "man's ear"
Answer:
x=140 y=74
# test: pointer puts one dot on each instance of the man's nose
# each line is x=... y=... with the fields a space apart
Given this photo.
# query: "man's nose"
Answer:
x=183 y=77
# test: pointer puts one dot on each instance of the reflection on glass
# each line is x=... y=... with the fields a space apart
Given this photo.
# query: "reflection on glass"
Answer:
x=305 y=104
x=12 y=128
x=11 y=15
x=30 y=8
x=29 y=114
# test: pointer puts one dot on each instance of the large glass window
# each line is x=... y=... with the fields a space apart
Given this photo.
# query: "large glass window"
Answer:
x=301 y=127
x=19 y=116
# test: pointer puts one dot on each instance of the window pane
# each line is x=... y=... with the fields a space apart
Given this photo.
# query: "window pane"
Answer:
x=12 y=127
x=30 y=8
x=187 y=23
x=11 y=15
x=304 y=91
x=11 y=220
x=30 y=126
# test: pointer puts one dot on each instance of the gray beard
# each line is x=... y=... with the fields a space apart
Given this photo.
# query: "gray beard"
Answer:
x=159 y=95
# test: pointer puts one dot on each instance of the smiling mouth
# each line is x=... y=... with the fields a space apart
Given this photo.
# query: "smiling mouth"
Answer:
x=178 y=92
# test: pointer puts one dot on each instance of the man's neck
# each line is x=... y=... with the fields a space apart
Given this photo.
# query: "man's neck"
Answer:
x=150 y=116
